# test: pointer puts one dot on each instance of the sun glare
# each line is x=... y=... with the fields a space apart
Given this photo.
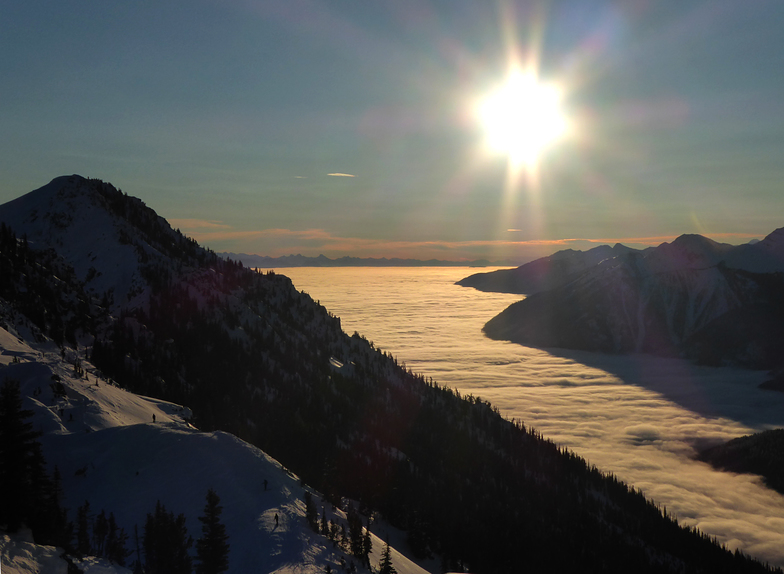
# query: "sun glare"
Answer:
x=522 y=118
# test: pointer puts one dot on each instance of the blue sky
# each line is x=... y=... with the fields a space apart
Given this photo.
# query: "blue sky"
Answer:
x=228 y=117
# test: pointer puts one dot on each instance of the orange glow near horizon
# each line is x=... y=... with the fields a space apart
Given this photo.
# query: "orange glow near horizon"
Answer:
x=312 y=242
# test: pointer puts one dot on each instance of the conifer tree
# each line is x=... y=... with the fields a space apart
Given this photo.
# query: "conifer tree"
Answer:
x=324 y=524
x=367 y=546
x=55 y=529
x=344 y=541
x=116 y=539
x=212 y=549
x=100 y=530
x=137 y=565
x=83 y=530
x=356 y=541
x=23 y=479
x=166 y=543
x=385 y=566
x=311 y=514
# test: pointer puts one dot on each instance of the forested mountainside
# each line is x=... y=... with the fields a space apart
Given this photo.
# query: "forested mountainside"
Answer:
x=761 y=453
x=251 y=355
x=130 y=480
x=713 y=303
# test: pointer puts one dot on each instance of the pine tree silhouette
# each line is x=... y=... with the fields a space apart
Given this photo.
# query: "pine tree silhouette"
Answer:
x=23 y=479
x=116 y=539
x=166 y=543
x=83 y=546
x=212 y=549
x=385 y=566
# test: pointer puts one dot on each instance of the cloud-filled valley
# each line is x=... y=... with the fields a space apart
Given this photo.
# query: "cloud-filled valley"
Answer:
x=639 y=417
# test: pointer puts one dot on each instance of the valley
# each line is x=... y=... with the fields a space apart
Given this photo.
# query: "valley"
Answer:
x=100 y=280
x=641 y=417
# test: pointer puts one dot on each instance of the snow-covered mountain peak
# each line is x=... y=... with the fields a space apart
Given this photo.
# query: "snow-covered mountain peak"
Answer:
x=114 y=242
x=698 y=243
x=46 y=214
x=776 y=236
x=70 y=216
x=766 y=256
x=774 y=244
x=688 y=251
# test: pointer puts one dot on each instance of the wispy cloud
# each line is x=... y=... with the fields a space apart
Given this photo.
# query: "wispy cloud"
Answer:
x=341 y=175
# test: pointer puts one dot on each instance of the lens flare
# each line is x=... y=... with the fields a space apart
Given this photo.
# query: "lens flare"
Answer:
x=522 y=118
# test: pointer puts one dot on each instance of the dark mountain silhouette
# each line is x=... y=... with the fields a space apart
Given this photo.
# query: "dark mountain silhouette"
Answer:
x=707 y=301
x=760 y=453
x=251 y=355
x=543 y=273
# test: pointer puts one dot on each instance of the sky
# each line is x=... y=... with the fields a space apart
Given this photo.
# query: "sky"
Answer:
x=341 y=127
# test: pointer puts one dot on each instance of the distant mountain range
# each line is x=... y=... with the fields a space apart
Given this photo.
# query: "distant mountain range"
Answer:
x=264 y=262
x=711 y=302
x=110 y=319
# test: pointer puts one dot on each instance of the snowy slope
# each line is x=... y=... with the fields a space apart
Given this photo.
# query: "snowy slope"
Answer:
x=66 y=214
x=544 y=273
x=19 y=554
x=766 y=256
x=119 y=248
x=682 y=298
x=111 y=453
x=253 y=356
x=686 y=252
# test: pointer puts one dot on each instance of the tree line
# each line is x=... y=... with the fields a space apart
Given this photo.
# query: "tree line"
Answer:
x=252 y=356
x=32 y=499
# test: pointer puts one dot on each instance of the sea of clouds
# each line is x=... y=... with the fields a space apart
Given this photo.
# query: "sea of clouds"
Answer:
x=639 y=417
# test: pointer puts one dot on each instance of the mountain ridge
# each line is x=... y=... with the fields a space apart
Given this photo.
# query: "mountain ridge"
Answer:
x=691 y=297
x=253 y=357
x=298 y=260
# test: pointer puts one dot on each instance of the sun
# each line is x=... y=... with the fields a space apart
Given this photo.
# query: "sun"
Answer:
x=522 y=118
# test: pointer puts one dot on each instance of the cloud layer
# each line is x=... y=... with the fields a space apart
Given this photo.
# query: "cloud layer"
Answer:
x=639 y=417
